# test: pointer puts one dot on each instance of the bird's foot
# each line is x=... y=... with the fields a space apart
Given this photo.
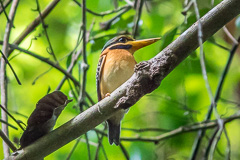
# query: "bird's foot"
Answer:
x=107 y=95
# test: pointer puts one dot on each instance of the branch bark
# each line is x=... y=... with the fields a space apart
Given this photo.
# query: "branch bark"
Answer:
x=149 y=73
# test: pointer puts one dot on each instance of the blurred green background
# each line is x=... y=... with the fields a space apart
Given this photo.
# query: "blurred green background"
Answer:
x=181 y=99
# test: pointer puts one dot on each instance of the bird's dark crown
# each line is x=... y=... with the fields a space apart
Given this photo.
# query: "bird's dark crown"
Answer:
x=119 y=39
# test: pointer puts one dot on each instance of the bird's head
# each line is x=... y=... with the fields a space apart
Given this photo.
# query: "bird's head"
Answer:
x=127 y=43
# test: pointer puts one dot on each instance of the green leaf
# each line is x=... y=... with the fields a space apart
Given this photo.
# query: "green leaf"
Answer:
x=193 y=55
x=97 y=44
x=168 y=38
x=69 y=59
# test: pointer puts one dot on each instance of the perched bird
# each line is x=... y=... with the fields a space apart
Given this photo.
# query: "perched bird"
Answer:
x=44 y=117
x=116 y=66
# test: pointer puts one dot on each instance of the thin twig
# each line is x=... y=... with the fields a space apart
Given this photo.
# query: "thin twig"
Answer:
x=137 y=17
x=67 y=74
x=74 y=60
x=35 y=23
x=3 y=76
x=74 y=147
x=4 y=11
x=145 y=130
x=129 y=3
x=229 y=101
x=228 y=148
x=2 y=121
x=6 y=3
x=17 y=113
x=109 y=35
x=100 y=139
x=7 y=62
x=202 y=61
x=221 y=129
x=180 y=130
x=124 y=151
x=225 y=71
x=5 y=110
x=182 y=105
x=186 y=8
x=71 y=88
x=102 y=14
x=217 y=149
x=42 y=74
x=7 y=141
x=88 y=146
x=219 y=45
x=46 y=60
x=106 y=25
x=205 y=77
x=84 y=64
x=175 y=132
x=210 y=141
x=215 y=141
x=212 y=3
x=70 y=68
x=45 y=31
x=201 y=133
x=229 y=35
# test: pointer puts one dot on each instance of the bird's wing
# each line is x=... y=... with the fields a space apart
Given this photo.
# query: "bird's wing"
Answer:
x=98 y=75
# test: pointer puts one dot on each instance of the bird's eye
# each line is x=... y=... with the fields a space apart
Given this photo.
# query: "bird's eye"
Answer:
x=122 y=39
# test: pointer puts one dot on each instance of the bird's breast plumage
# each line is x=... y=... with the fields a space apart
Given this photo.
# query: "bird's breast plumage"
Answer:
x=117 y=69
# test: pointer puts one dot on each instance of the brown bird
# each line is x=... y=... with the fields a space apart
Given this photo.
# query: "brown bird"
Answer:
x=44 y=117
x=116 y=66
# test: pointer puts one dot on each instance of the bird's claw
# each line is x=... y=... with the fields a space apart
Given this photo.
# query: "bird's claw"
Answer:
x=107 y=95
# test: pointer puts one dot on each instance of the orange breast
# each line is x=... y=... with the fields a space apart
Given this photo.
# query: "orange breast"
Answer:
x=117 y=69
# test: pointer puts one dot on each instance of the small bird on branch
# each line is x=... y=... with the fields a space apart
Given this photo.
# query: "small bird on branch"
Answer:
x=44 y=117
x=116 y=65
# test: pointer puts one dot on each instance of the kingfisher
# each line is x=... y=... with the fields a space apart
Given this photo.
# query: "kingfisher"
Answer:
x=116 y=65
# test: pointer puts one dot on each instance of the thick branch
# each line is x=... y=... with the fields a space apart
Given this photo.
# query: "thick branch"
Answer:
x=146 y=78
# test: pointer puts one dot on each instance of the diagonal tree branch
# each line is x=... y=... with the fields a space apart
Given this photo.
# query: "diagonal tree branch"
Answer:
x=149 y=73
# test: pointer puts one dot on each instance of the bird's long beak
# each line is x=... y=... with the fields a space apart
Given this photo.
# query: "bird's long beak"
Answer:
x=136 y=45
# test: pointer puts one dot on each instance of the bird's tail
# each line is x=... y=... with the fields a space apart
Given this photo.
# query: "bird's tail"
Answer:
x=113 y=133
